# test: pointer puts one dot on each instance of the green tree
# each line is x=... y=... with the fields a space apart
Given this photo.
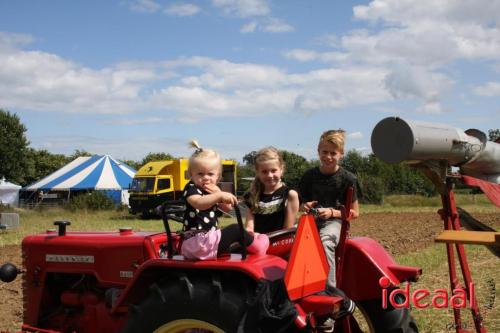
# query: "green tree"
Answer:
x=295 y=166
x=354 y=162
x=245 y=172
x=378 y=178
x=249 y=158
x=494 y=134
x=79 y=153
x=156 y=157
x=372 y=188
x=133 y=164
x=42 y=163
x=13 y=146
x=367 y=171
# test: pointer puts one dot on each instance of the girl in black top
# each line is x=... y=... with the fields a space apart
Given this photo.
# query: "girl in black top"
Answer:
x=272 y=205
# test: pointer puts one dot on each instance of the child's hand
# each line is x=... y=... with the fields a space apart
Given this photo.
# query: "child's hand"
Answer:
x=326 y=213
x=211 y=188
x=308 y=205
x=225 y=207
x=228 y=198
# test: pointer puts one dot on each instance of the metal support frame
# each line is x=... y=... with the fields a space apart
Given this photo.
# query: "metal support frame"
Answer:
x=451 y=221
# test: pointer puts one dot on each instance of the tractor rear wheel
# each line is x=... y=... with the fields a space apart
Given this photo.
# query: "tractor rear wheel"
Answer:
x=190 y=303
x=390 y=320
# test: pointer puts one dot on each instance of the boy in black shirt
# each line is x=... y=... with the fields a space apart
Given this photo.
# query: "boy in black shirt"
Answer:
x=325 y=187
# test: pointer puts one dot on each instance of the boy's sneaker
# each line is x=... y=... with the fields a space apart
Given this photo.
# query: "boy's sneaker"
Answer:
x=346 y=308
x=327 y=326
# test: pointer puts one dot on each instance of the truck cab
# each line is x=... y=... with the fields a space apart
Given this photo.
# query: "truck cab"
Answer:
x=160 y=181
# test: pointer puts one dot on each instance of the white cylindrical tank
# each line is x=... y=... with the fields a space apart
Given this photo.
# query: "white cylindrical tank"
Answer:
x=396 y=140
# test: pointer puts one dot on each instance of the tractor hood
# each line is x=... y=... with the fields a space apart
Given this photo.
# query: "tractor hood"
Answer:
x=111 y=256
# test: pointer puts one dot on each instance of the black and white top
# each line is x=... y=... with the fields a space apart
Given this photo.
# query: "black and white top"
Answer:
x=270 y=213
x=195 y=219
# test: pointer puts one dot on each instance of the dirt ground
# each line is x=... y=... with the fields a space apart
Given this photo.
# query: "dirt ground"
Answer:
x=399 y=233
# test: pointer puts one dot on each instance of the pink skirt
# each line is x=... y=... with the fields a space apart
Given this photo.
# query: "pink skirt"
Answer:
x=202 y=246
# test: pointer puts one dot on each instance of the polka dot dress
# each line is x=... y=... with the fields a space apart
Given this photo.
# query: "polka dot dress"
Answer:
x=195 y=219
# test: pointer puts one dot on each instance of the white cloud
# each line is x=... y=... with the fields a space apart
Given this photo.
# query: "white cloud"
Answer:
x=416 y=41
x=271 y=25
x=330 y=39
x=253 y=8
x=141 y=121
x=304 y=55
x=428 y=32
x=243 y=8
x=41 y=81
x=14 y=40
x=432 y=107
x=414 y=82
x=144 y=6
x=430 y=46
x=275 y=25
x=474 y=121
x=197 y=102
x=249 y=27
x=388 y=109
x=228 y=89
x=201 y=87
x=301 y=55
x=355 y=135
x=399 y=11
x=221 y=74
x=134 y=148
x=489 y=89
x=365 y=151
x=182 y=9
x=330 y=89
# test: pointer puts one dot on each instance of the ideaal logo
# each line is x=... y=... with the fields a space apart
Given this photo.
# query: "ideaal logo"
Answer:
x=440 y=297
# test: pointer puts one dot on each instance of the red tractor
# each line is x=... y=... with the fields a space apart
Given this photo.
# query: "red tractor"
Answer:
x=128 y=281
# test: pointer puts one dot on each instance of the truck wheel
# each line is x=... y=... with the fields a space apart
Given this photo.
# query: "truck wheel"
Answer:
x=189 y=303
x=390 y=320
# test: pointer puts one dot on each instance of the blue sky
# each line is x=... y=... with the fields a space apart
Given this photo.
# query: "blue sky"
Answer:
x=130 y=77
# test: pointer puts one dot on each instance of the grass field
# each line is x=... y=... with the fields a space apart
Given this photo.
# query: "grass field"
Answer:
x=484 y=265
x=485 y=271
x=475 y=203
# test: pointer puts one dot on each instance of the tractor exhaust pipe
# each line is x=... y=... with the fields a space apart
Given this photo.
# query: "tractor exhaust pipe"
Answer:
x=395 y=140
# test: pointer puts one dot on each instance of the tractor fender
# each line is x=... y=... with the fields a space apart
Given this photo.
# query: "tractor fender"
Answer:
x=365 y=262
x=253 y=268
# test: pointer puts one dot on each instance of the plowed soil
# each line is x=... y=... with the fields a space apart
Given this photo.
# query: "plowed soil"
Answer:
x=399 y=233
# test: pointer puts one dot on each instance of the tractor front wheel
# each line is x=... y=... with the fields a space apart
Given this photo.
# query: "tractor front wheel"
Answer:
x=390 y=320
x=189 y=303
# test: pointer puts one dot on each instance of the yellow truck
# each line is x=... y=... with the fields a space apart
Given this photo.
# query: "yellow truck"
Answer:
x=160 y=181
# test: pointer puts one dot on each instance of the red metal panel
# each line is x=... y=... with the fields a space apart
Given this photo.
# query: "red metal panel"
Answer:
x=491 y=190
x=366 y=261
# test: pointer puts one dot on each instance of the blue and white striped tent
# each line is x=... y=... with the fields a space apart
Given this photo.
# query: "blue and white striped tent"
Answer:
x=98 y=172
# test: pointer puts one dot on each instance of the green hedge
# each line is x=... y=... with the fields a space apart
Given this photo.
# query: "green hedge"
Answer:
x=94 y=200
